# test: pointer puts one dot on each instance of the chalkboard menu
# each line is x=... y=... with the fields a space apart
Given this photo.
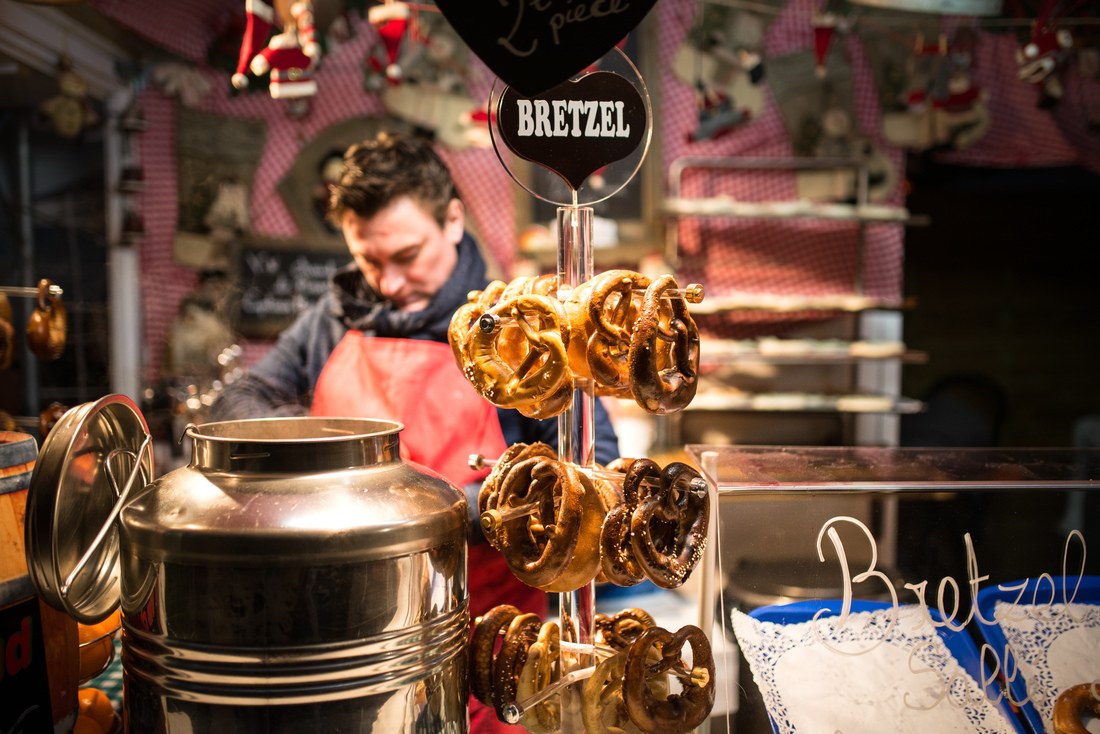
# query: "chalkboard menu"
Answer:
x=278 y=281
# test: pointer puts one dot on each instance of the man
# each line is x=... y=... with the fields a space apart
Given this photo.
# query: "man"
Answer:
x=376 y=344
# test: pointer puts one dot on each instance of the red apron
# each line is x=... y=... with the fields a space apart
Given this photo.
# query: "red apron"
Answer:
x=417 y=383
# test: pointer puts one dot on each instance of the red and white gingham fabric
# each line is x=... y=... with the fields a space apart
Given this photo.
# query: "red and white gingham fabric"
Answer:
x=800 y=256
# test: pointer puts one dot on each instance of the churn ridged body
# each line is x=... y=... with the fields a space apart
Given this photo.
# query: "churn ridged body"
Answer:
x=296 y=576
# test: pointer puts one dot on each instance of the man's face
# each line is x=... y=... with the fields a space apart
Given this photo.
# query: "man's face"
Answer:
x=403 y=252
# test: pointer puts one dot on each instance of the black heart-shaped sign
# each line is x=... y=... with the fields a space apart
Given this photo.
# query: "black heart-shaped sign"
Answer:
x=534 y=44
x=575 y=128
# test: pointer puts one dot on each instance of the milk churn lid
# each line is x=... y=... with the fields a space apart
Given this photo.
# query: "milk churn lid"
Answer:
x=96 y=457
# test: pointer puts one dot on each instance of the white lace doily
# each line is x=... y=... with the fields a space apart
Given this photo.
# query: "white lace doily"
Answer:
x=875 y=672
x=1055 y=645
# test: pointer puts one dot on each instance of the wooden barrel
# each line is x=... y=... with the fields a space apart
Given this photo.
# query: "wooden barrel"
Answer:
x=25 y=621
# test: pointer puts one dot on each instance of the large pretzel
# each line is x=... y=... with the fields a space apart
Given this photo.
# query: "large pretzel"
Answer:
x=482 y=649
x=617 y=560
x=676 y=712
x=466 y=316
x=509 y=371
x=669 y=527
x=1072 y=705
x=613 y=307
x=46 y=328
x=554 y=548
x=522 y=632
x=543 y=667
x=489 y=500
x=664 y=350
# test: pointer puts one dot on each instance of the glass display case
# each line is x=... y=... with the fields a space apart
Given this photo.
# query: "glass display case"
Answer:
x=907 y=589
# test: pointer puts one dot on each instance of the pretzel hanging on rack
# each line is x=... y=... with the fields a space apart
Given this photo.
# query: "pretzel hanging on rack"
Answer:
x=483 y=649
x=664 y=350
x=516 y=358
x=555 y=547
x=46 y=328
x=602 y=313
x=620 y=630
x=617 y=561
x=521 y=634
x=542 y=669
x=676 y=712
x=668 y=530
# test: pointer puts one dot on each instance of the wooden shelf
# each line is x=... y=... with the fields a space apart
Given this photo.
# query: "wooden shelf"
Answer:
x=770 y=350
x=798 y=402
x=778 y=303
x=724 y=206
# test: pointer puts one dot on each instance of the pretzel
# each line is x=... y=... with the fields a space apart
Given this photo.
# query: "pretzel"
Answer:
x=522 y=632
x=620 y=630
x=554 y=548
x=543 y=667
x=7 y=344
x=482 y=645
x=664 y=351
x=612 y=309
x=603 y=710
x=1072 y=705
x=669 y=527
x=466 y=316
x=524 y=359
x=676 y=712
x=488 y=497
x=617 y=560
x=47 y=325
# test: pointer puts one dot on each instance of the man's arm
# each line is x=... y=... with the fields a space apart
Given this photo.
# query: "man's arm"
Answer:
x=282 y=382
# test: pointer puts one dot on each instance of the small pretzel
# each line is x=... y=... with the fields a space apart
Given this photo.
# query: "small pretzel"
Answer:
x=511 y=372
x=465 y=318
x=620 y=630
x=489 y=497
x=669 y=527
x=554 y=548
x=676 y=712
x=47 y=325
x=664 y=350
x=7 y=344
x=1072 y=705
x=616 y=549
x=522 y=632
x=482 y=646
x=612 y=307
x=543 y=667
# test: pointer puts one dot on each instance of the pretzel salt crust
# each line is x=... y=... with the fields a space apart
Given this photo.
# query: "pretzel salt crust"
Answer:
x=542 y=669
x=483 y=649
x=522 y=358
x=664 y=350
x=676 y=712
x=522 y=632
x=668 y=529
x=1071 y=707
x=617 y=561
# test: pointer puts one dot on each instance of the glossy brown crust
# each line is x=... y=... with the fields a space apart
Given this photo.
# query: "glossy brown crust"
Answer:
x=617 y=562
x=556 y=548
x=664 y=351
x=603 y=710
x=524 y=360
x=541 y=670
x=489 y=497
x=522 y=632
x=620 y=630
x=1072 y=705
x=48 y=324
x=612 y=310
x=482 y=647
x=669 y=527
x=677 y=712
